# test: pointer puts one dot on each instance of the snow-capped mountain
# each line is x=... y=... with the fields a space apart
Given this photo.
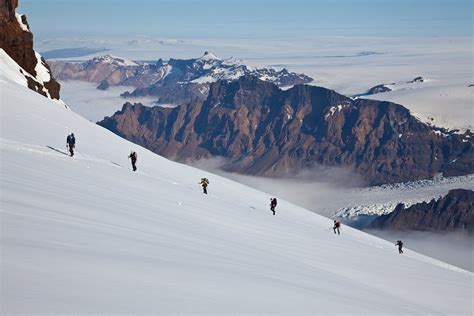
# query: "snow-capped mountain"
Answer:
x=86 y=235
x=210 y=68
x=175 y=81
x=114 y=60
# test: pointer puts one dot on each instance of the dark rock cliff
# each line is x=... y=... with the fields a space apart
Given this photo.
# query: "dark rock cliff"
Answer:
x=18 y=44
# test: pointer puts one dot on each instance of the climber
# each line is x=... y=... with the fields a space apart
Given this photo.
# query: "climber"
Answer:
x=71 y=143
x=133 y=157
x=337 y=225
x=273 y=204
x=204 y=182
x=399 y=243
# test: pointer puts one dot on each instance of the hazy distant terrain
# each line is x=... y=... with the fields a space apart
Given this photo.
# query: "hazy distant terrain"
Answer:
x=348 y=65
x=71 y=52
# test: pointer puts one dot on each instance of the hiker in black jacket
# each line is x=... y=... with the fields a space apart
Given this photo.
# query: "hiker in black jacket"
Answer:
x=133 y=157
x=399 y=243
x=71 y=143
x=273 y=204
x=337 y=225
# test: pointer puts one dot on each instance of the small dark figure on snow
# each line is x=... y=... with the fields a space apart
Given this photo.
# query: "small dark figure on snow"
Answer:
x=273 y=204
x=337 y=225
x=71 y=143
x=133 y=157
x=204 y=182
x=399 y=243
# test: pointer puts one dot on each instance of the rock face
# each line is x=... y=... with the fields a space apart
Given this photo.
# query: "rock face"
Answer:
x=176 y=81
x=17 y=41
x=263 y=130
x=455 y=211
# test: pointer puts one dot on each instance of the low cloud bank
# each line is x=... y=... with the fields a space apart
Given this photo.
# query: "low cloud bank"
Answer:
x=322 y=190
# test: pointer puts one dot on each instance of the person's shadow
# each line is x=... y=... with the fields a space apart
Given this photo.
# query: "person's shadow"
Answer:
x=57 y=150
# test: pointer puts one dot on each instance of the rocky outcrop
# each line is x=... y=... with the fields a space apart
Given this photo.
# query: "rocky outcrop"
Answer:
x=176 y=81
x=418 y=79
x=104 y=85
x=378 y=89
x=264 y=130
x=455 y=211
x=17 y=41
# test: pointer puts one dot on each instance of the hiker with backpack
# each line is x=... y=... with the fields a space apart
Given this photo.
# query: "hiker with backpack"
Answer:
x=133 y=157
x=204 y=183
x=71 y=143
x=399 y=243
x=273 y=204
x=337 y=225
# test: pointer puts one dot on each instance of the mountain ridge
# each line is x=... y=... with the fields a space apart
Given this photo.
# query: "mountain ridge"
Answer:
x=175 y=81
x=263 y=130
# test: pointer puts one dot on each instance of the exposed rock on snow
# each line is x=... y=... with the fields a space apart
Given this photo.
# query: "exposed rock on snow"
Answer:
x=381 y=200
x=16 y=41
x=378 y=89
x=452 y=212
x=418 y=79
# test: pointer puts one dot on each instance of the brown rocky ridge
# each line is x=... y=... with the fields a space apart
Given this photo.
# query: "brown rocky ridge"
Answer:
x=263 y=130
x=17 y=41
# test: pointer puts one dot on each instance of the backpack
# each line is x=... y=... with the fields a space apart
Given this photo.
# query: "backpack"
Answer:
x=274 y=201
x=205 y=181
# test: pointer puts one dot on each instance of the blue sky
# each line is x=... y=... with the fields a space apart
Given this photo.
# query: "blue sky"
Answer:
x=248 y=18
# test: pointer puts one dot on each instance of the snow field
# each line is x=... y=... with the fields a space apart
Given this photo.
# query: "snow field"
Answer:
x=88 y=235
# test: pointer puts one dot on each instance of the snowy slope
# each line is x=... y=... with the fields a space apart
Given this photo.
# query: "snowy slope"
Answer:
x=87 y=235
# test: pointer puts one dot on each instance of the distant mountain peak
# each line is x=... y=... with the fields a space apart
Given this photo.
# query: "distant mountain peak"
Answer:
x=110 y=59
x=209 y=56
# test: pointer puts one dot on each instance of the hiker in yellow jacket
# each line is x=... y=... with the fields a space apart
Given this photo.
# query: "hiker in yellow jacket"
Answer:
x=204 y=182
